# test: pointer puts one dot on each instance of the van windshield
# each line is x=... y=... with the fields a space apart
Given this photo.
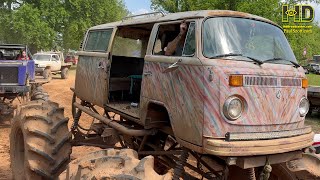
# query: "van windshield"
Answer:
x=224 y=36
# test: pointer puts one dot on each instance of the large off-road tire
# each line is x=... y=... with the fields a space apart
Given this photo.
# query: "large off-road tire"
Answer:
x=39 y=94
x=113 y=164
x=46 y=74
x=64 y=73
x=39 y=141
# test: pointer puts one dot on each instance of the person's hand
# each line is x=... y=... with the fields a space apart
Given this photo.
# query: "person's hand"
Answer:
x=183 y=28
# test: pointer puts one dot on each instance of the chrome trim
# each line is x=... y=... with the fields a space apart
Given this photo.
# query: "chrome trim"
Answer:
x=302 y=115
x=95 y=54
x=226 y=107
x=238 y=136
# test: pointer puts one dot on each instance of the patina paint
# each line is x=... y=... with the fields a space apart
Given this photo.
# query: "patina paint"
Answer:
x=181 y=92
x=264 y=111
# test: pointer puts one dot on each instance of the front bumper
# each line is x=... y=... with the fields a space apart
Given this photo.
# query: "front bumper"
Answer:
x=221 y=147
x=10 y=89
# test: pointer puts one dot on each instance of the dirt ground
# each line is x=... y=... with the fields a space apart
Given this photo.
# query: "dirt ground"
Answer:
x=59 y=91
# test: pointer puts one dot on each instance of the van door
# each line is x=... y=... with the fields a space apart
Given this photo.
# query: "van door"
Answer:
x=93 y=69
x=174 y=81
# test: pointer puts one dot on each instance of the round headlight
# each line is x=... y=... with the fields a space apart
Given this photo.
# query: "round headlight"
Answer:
x=233 y=108
x=303 y=106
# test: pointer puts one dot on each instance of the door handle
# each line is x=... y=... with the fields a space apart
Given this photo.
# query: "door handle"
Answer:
x=101 y=65
x=148 y=73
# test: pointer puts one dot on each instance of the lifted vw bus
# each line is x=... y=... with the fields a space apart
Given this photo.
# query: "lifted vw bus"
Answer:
x=234 y=98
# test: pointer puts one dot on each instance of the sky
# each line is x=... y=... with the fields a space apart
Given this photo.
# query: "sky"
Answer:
x=316 y=8
x=143 y=6
x=138 y=6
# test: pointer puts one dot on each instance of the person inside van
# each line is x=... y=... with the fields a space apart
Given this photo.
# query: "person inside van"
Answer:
x=175 y=47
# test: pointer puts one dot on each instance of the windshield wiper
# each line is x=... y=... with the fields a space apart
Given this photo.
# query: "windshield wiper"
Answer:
x=296 y=65
x=235 y=54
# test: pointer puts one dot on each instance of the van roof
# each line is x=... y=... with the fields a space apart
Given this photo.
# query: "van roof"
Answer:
x=181 y=16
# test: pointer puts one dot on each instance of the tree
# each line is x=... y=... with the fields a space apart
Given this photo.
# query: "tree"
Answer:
x=84 y=14
x=47 y=24
x=270 y=9
x=25 y=26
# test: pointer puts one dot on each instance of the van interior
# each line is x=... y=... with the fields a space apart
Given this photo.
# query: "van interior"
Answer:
x=127 y=60
x=129 y=48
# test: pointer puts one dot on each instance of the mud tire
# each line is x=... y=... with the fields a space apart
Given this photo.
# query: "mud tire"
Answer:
x=39 y=94
x=46 y=74
x=64 y=73
x=113 y=164
x=39 y=141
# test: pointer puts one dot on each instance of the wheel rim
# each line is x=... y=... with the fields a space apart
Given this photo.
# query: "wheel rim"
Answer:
x=19 y=153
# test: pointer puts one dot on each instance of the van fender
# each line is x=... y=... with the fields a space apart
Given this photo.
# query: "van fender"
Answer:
x=146 y=109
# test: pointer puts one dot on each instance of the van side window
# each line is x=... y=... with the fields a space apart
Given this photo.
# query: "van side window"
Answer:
x=127 y=47
x=98 y=40
x=170 y=33
x=190 y=43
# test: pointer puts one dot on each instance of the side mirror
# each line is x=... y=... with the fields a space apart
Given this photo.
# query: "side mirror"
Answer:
x=172 y=67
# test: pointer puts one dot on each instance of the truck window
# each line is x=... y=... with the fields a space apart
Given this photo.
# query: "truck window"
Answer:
x=98 y=40
x=168 y=33
x=55 y=58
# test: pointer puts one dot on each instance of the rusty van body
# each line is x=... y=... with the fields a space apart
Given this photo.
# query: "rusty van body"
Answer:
x=236 y=92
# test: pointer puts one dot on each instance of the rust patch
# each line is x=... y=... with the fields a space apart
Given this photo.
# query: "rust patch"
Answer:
x=228 y=13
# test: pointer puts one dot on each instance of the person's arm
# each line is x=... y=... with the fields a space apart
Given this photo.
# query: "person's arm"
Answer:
x=172 y=46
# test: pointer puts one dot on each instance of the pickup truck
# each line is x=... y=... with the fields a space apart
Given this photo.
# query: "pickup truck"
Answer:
x=313 y=68
x=47 y=63
x=314 y=98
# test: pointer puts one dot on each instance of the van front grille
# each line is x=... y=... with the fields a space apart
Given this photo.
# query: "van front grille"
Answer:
x=271 y=81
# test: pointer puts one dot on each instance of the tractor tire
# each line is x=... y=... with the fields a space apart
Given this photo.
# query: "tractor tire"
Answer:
x=46 y=74
x=39 y=141
x=113 y=164
x=64 y=73
x=39 y=94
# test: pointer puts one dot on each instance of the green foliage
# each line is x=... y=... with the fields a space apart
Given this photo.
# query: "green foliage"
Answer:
x=313 y=79
x=270 y=9
x=84 y=14
x=52 y=24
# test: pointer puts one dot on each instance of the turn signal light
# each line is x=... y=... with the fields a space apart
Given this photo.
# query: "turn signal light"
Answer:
x=236 y=80
x=304 y=83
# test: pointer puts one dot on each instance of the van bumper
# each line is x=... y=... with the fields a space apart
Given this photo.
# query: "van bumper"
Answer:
x=222 y=147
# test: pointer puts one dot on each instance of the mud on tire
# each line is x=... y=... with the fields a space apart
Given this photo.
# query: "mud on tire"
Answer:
x=46 y=74
x=113 y=164
x=39 y=94
x=64 y=73
x=39 y=141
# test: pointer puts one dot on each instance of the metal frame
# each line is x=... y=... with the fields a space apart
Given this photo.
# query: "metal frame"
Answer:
x=145 y=14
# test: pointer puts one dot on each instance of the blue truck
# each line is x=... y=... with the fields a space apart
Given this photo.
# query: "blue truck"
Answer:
x=17 y=76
